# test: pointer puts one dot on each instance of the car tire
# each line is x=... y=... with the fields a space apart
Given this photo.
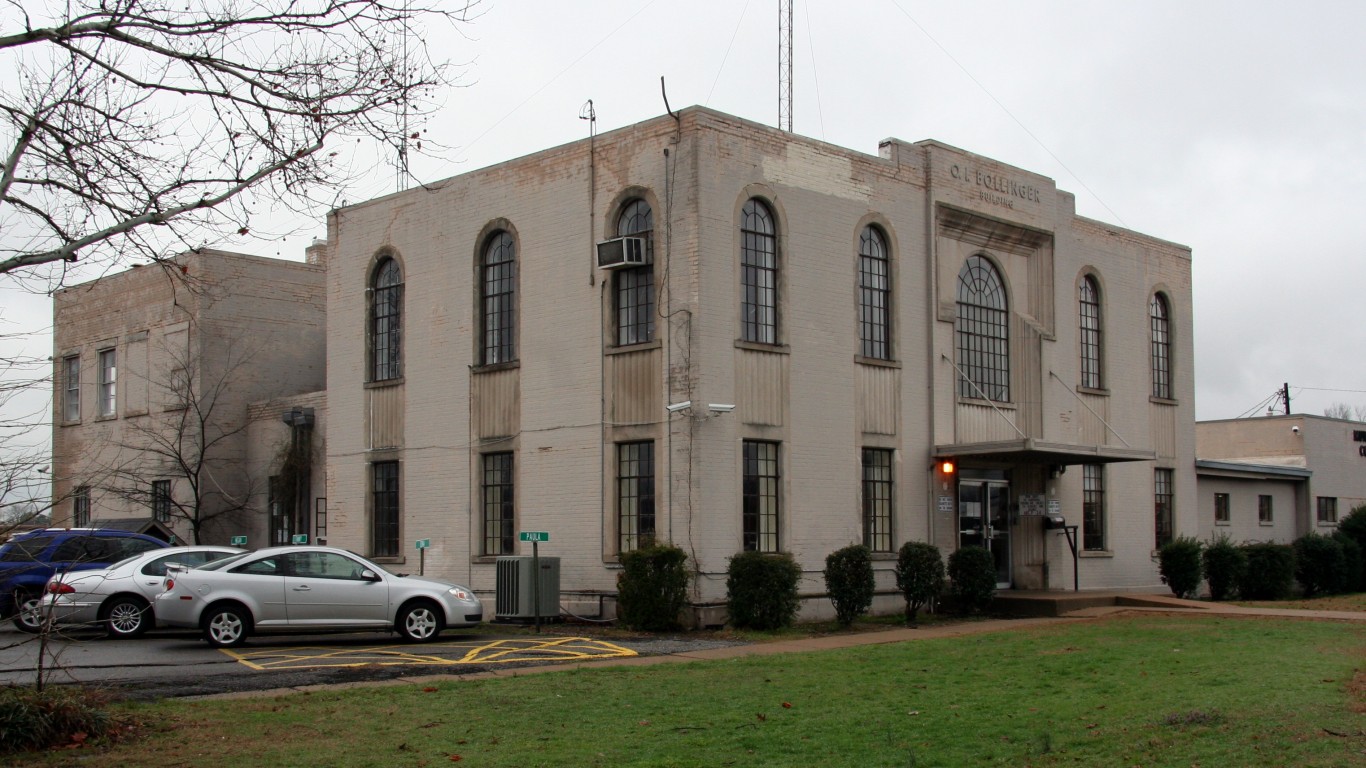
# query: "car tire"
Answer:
x=126 y=616
x=28 y=613
x=419 y=622
x=226 y=626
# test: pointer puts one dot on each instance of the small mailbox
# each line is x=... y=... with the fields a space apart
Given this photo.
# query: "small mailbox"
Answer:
x=1054 y=522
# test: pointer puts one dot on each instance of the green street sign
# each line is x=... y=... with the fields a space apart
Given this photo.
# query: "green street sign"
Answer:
x=424 y=543
x=299 y=538
x=239 y=541
x=538 y=536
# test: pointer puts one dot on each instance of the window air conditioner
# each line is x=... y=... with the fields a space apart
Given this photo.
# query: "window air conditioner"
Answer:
x=621 y=252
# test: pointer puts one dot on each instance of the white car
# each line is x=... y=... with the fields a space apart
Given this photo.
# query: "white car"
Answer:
x=310 y=588
x=120 y=597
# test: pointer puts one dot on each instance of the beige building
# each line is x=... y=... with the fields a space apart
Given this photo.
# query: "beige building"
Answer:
x=154 y=370
x=710 y=332
x=1277 y=478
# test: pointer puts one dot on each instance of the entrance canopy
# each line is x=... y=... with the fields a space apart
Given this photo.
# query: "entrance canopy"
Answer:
x=1031 y=451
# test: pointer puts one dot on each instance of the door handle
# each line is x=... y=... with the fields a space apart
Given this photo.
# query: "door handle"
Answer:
x=303 y=588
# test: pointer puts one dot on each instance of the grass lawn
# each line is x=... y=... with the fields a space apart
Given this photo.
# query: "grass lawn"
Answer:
x=1125 y=691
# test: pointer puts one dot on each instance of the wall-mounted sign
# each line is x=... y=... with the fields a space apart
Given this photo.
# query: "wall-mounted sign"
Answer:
x=1031 y=503
x=946 y=504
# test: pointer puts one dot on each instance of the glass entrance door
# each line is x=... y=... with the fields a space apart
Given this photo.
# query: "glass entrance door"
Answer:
x=984 y=521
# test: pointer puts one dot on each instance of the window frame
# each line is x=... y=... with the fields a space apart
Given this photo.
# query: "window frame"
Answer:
x=498 y=298
x=636 y=502
x=80 y=507
x=1326 y=510
x=878 y=481
x=71 y=388
x=761 y=496
x=107 y=387
x=386 y=510
x=386 y=321
x=498 y=512
x=1164 y=506
x=1093 y=522
x=161 y=501
x=982 y=331
x=1160 y=337
x=1266 y=509
x=874 y=294
x=1223 y=509
x=760 y=274
x=1090 y=331
x=633 y=288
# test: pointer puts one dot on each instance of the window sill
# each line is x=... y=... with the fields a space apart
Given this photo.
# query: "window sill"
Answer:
x=1098 y=391
x=626 y=349
x=876 y=362
x=1266 y=523
x=1327 y=523
x=398 y=382
x=883 y=557
x=393 y=560
x=106 y=417
x=1096 y=553
x=1162 y=400
x=72 y=423
x=495 y=367
x=1223 y=522
x=1003 y=405
x=754 y=346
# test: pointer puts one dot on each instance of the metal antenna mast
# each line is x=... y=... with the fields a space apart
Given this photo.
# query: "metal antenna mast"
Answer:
x=401 y=162
x=785 y=65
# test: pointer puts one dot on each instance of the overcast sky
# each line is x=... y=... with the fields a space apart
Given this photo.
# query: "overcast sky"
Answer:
x=1236 y=128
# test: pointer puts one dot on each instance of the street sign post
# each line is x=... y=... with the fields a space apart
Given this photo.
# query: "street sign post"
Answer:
x=535 y=537
x=422 y=545
x=299 y=538
x=239 y=541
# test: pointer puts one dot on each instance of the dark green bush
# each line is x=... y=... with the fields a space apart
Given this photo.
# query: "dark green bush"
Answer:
x=1354 y=579
x=1320 y=567
x=1179 y=563
x=762 y=590
x=849 y=580
x=653 y=587
x=919 y=576
x=1353 y=526
x=1270 y=572
x=972 y=575
x=1225 y=566
x=32 y=719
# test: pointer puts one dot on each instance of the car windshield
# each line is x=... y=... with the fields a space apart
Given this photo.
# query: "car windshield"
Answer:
x=221 y=562
x=125 y=561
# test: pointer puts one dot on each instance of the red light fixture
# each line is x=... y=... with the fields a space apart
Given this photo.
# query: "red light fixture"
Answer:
x=947 y=467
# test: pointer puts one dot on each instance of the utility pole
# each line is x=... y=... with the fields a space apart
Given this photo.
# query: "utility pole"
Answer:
x=785 y=65
x=1285 y=397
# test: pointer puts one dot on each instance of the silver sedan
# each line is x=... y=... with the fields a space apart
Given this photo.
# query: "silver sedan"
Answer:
x=119 y=597
x=308 y=588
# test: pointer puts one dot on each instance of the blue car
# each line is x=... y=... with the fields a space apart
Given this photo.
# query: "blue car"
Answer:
x=29 y=559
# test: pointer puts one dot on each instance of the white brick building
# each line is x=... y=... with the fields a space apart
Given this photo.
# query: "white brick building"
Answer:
x=868 y=316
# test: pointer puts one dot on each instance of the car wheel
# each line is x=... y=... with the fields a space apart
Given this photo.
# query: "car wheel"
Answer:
x=226 y=626
x=419 y=622
x=126 y=616
x=28 y=615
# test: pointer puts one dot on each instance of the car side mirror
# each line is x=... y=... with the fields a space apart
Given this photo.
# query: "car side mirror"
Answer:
x=369 y=575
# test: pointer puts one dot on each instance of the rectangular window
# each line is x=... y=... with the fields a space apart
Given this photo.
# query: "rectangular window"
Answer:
x=1328 y=510
x=1163 y=514
x=384 y=508
x=279 y=512
x=635 y=290
x=161 y=500
x=108 y=377
x=1093 y=507
x=1265 y=516
x=877 y=499
x=1221 y=507
x=635 y=494
x=760 y=502
x=71 y=388
x=80 y=507
x=498 y=504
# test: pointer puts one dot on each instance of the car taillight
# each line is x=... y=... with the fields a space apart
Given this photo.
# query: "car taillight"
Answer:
x=58 y=588
x=170 y=584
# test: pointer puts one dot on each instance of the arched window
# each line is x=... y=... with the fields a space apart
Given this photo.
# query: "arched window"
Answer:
x=758 y=274
x=874 y=296
x=1088 y=301
x=634 y=287
x=386 y=321
x=982 y=331
x=1159 y=317
x=498 y=293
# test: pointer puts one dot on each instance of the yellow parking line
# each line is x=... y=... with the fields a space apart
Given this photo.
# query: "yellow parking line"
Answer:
x=493 y=652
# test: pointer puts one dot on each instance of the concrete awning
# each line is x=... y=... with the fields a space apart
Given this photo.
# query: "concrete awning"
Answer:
x=1031 y=451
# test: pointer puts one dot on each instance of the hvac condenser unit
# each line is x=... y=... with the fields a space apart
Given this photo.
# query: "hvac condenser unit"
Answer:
x=514 y=599
x=621 y=252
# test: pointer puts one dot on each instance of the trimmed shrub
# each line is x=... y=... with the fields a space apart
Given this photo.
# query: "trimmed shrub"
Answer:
x=1225 y=566
x=1270 y=572
x=972 y=575
x=1320 y=567
x=919 y=576
x=1353 y=526
x=57 y=715
x=1354 y=579
x=762 y=590
x=1179 y=563
x=653 y=587
x=849 y=580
